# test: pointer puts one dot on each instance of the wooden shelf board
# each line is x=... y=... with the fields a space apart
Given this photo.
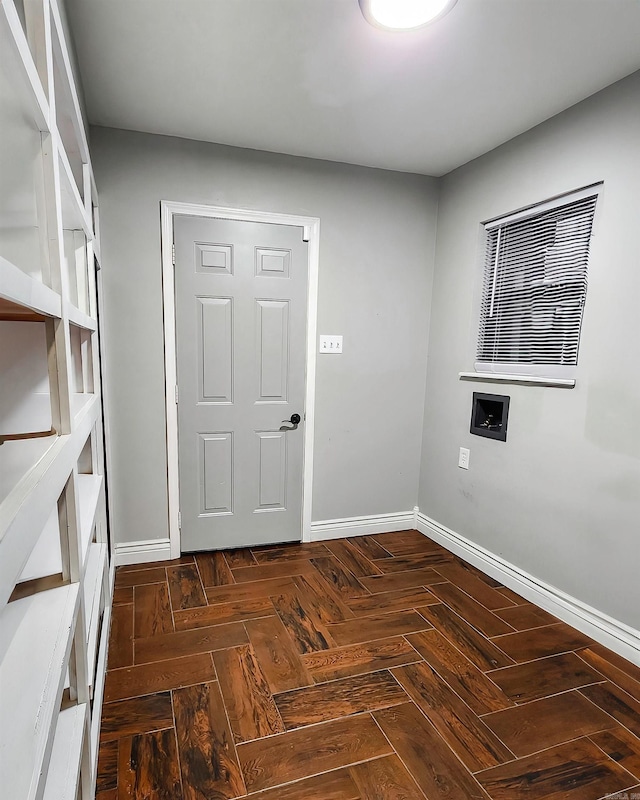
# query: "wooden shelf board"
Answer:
x=24 y=297
x=89 y=488
x=12 y=312
x=66 y=756
x=35 y=641
x=27 y=588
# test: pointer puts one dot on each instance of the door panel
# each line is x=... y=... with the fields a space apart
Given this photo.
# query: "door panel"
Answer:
x=272 y=326
x=215 y=350
x=241 y=317
x=272 y=477
x=272 y=263
x=216 y=473
x=214 y=259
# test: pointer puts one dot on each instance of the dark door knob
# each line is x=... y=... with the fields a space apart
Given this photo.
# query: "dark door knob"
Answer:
x=295 y=420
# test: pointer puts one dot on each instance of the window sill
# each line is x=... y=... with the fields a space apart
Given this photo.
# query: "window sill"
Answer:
x=491 y=377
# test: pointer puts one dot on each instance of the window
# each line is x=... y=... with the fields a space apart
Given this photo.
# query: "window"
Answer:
x=534 y=288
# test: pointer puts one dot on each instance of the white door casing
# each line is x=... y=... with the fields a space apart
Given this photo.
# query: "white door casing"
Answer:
x=311 y=230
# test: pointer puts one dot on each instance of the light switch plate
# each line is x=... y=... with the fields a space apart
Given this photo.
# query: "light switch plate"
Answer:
x=330 y=344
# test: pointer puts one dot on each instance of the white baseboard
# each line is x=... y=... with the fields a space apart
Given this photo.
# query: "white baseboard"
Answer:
x=361 y=526
x=142 y=552
x=615 y=635
x=160 y=549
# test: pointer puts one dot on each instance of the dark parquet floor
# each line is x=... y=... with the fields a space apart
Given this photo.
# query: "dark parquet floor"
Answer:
x=371 y=668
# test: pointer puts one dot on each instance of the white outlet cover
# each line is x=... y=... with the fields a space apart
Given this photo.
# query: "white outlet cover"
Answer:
x=330 y=343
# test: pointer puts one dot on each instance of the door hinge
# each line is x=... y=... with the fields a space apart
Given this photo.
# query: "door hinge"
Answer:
x=179 y=520
x=173 y=254
x=176 y=394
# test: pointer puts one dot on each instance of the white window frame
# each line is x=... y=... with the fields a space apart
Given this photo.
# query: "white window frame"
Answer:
x=551 y=374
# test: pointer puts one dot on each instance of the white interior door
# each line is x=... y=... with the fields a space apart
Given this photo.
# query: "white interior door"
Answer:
x=241 y=305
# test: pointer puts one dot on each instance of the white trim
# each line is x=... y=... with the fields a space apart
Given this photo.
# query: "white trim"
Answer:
x=311 y=230
x=312 y=236
x=497 y=377
x=170 y=375
x=361 y=526
x=612 y=633
x=142 y=552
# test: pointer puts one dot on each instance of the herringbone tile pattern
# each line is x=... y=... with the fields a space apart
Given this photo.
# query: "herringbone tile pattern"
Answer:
x=372 y=668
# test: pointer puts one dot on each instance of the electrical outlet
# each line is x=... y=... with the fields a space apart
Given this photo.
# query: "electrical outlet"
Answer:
x=330 y=344
x=463 y=458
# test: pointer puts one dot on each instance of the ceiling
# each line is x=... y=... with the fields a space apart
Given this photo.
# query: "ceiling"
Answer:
x=312 y=78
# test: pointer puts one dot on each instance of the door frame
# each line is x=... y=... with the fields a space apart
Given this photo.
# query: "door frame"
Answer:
x=311 y=234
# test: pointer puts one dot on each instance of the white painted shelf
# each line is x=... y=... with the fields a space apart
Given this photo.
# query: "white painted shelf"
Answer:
x=64 y=768
x=98 y=686
x=26 y=507
x=46 y=556
x=74 y=216
x=97 y=253
x=79 y=400
x=80 y=319
x=18 y=458
x=92 y=589
x=19 y=62
x=89 y=489
x=24 y=291
x=35 y=640
x=93 y=573
x=69 y=100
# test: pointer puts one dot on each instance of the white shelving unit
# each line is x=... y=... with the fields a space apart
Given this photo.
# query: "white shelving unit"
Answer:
x=55 y=574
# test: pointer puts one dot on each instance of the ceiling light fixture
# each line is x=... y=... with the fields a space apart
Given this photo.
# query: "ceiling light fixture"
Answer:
x=404 y=15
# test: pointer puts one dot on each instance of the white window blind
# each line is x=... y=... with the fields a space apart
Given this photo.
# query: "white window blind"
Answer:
x=535 y=284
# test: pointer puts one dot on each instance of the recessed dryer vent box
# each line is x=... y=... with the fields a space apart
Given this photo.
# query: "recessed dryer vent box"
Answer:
x=489 y=414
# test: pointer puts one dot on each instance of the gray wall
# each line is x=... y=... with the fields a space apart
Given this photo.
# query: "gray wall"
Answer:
x=561 y=498
x=376 y=264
